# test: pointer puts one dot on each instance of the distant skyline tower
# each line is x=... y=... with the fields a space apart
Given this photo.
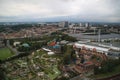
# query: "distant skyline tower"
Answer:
x=94 y=31
x=80 y=24
x=99 y=32
x=63 y=24
x=86 y=24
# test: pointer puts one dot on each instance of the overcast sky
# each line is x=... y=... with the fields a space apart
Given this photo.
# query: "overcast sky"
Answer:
x=56 y=10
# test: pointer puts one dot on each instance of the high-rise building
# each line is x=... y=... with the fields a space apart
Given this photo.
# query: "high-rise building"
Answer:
x=86 y=24
x=80 y=24
x=63 y=24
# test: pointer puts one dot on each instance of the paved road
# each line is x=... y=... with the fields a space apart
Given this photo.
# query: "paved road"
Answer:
x=13 y=49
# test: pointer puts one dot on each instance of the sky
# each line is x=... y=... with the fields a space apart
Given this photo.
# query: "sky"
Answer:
x=60 y=10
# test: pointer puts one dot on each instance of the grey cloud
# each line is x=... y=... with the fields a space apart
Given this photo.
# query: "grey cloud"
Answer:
x=106 y=10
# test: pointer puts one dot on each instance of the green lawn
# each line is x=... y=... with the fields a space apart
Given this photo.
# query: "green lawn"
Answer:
x=5 y=53
x=115 y=72
x=56 y=73
x=53 y=71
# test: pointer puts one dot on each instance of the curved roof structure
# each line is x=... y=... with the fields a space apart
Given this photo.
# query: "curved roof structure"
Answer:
x=91 y=47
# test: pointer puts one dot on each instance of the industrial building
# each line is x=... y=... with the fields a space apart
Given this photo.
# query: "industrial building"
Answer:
x=109 y=51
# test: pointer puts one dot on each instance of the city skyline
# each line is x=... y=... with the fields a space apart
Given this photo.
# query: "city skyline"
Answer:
x=60 y=10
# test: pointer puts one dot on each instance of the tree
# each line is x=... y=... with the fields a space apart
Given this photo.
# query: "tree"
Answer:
x=107 y=66
x=63 y=48
x=67 y=56
x=2 y=74
x=5 y=42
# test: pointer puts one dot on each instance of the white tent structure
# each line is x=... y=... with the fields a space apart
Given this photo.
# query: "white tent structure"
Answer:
x=91 y=47
x=46 y=49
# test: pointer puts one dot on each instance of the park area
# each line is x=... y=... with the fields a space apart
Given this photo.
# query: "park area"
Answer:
x=5 y=53
x=48 y=63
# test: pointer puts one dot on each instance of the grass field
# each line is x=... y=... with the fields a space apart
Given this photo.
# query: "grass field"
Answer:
x=5 y=53
x=57 y=72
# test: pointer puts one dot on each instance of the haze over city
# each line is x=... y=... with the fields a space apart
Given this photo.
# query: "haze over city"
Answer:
x=59 y=39
x=60 y=10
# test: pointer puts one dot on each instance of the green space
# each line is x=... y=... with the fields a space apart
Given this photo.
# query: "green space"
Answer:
x=48 y=63
x=53 y=71
x=40 y=53
x=55 y=74
x=109 y=74
x=5 y=53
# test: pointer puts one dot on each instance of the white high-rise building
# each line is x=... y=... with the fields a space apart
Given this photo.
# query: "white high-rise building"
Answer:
x=86 y=24
x=63 y=24
x=80 y=24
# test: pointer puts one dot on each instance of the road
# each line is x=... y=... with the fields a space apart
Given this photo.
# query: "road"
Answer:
x=13 y=49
